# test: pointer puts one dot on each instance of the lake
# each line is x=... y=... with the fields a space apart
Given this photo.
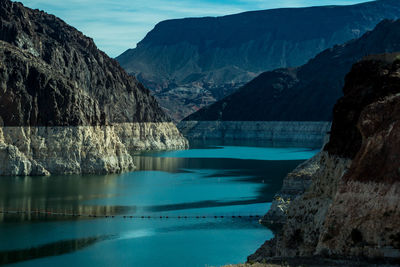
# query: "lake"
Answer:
x=203 y=205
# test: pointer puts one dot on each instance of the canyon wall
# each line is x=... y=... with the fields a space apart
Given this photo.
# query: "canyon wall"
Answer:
x=65 y=106
x=352 y=207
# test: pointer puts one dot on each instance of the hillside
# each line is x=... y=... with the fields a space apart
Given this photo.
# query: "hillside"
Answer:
x=190 y=63
x=306 y=93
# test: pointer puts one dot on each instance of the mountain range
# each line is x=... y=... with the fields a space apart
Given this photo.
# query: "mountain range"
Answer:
x=305 y=93
x=190 y=63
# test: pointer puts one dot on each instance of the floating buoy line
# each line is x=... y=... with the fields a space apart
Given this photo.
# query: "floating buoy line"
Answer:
x=73 y=214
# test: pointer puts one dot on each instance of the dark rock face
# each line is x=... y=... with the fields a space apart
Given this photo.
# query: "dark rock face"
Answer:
x=211 y=57
x=379 y=161
x=53 y=75
x=368 y=82
x=364 y=218
x=33 y=94
x=306 y=93
x=352 y=207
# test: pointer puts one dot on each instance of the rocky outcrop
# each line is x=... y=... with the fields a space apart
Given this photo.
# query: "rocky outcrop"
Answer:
x=306 y=93
x=17 y=164
x=306 y=214
x=294 y=185
x=367 y=202
x=82 y=149
x=65 y=106
x=190 y=63
x=352 y=207
x=312 y=133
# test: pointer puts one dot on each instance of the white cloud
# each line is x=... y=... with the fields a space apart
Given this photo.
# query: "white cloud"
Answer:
x=118 y=25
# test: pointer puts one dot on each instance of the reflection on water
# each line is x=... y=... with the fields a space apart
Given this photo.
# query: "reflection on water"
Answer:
x=175 y=184
x=65 y=194
x=149 y=163
x=194 y=182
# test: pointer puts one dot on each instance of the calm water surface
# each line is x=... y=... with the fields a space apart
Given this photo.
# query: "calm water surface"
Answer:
x=203 y=181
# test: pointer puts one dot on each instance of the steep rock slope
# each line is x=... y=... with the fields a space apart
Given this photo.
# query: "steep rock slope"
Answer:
x=192 y=62
x=352 y=208
x=306 y=93
x=65 y=106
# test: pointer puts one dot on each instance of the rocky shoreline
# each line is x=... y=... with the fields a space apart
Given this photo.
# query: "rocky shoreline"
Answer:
x=294 y=185
x=351 y=209
x=82 y=149
x=310 y=132
x=317 y=262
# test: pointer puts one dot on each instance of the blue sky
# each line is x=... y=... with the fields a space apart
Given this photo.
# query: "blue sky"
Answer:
x=117 y=25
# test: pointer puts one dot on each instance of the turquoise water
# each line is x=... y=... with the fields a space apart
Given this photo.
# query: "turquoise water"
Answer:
x=206 y=181
x=231 y=152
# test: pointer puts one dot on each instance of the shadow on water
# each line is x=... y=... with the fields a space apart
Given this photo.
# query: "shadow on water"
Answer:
x=72 y=194
x=69 y=246
x=243 y=223
x=200 y=204
x=47 y=250
x=45 y=194
x=268 y=174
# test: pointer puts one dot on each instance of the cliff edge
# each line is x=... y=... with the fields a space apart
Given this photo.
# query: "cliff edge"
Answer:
x=65 y=106
x=351 y=210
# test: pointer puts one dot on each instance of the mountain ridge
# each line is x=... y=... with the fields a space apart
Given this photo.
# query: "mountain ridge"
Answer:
x=298 y=94
x=192 y=62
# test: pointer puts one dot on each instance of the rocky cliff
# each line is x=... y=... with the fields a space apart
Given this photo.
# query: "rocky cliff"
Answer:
x=352 y=207
x=306 y=93
x=65 y=106
x=190 y=63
